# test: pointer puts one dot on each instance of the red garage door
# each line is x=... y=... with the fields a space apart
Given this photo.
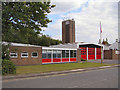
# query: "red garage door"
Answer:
x=83 y=53
x=91 y=53
x=98 y=54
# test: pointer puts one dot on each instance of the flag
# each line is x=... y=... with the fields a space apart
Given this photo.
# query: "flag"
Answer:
x=100 y=28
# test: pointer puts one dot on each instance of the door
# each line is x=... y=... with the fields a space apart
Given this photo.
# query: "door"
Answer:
x=91 y=53
x=83 y=53
x=98 y=54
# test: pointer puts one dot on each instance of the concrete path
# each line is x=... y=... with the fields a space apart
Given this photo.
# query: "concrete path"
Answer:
x=106 y=61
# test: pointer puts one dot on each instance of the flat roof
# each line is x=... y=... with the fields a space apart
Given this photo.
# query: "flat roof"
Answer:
x=49 y=48
x=19 y=44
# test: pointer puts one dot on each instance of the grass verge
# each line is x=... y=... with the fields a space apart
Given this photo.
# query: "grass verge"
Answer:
x=55 y=67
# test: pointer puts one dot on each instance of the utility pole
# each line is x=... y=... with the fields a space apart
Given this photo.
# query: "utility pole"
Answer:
x=101 y=42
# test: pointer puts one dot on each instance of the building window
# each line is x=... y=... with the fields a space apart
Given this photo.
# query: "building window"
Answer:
x=59 y=54
x=13 y=55
x=74 y=53
x=54 y=53
x=35 y=54
x=44 y=53
x=24 y=54
x=49 y=53
x=67 y=53
x=63 y=53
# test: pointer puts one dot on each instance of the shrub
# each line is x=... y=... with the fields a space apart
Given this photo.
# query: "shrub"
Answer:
x=83 y=60
x=8 y=67
x=5 y=52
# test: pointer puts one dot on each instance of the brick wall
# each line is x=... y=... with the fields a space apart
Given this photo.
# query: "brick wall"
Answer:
x=107 y=54
x=78 y=55
x=29 y=60
x=114 y=55
x=110 y=54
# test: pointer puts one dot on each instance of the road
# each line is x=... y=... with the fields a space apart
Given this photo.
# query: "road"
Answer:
x=103 y=78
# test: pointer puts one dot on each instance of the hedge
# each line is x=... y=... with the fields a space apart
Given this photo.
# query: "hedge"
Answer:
x=8 y=67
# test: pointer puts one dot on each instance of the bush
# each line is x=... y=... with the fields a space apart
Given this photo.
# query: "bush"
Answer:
x=8 y=67
x=83 y=60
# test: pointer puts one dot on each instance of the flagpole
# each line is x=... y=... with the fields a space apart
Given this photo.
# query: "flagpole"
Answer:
x=101 y=41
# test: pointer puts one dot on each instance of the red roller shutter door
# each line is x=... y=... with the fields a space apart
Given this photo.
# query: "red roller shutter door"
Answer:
x=98 y=54
x=83 y=53
x=91 y=53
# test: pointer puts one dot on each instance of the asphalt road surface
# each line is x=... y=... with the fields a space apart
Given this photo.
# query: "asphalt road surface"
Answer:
x=103 y=78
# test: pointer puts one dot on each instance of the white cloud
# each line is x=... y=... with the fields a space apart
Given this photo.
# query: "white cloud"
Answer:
x=88 y=20
x=63 y=6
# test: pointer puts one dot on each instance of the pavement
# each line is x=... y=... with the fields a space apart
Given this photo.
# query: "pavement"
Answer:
x=105 y=61
x=54 y=73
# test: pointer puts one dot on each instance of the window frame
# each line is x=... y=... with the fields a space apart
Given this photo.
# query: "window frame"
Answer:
x=34 y=56
x=74 y=53
x=14 y=56
x=24 y=56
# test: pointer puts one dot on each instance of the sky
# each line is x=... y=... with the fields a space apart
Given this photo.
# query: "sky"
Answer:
x=87 y=15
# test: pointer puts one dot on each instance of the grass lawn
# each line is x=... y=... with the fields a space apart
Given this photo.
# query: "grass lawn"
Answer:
x=55 y=67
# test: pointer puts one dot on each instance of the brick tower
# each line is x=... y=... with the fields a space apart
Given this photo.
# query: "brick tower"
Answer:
x=68 y=31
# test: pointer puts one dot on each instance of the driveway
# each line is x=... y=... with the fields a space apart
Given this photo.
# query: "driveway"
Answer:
x=105 y=61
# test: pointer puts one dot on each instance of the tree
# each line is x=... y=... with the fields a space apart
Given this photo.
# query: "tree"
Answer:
x=19 y=17
x=5 y=52
x=46 y=40
x=22 y=22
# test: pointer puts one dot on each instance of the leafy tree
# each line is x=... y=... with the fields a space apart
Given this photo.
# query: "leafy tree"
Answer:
x=22 y=22
x=46 y=40
x=20 y=17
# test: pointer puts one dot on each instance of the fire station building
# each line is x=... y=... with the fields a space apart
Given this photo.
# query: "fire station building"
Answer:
x=26 y=54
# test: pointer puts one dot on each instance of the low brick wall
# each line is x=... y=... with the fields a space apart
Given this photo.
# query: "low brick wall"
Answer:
x=107 y=54
x=114 y=55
